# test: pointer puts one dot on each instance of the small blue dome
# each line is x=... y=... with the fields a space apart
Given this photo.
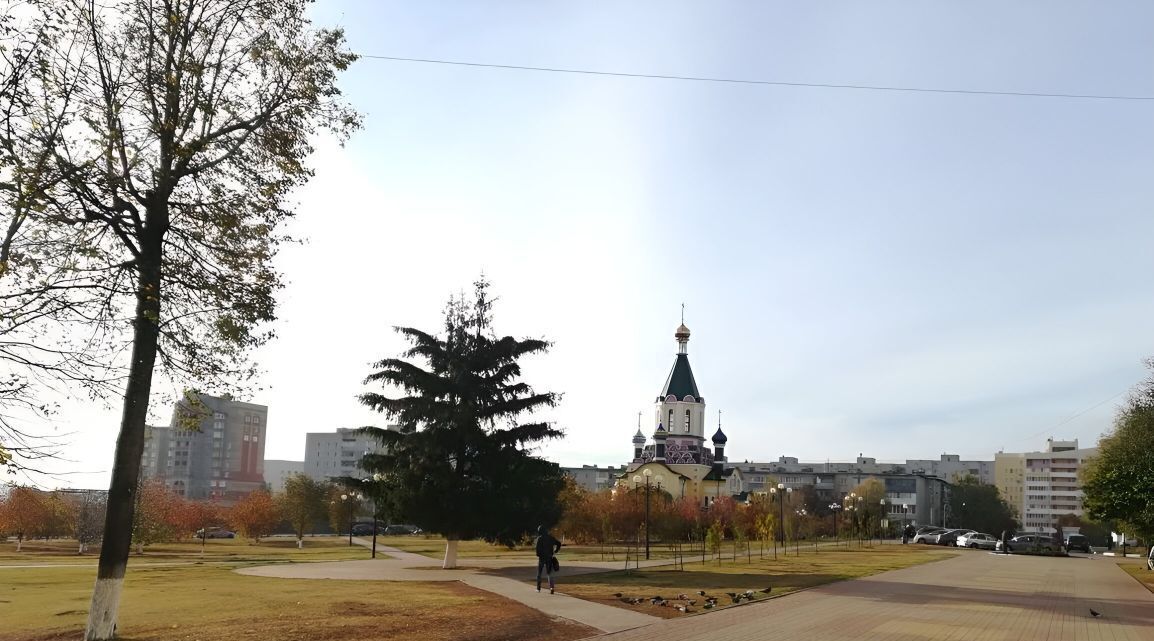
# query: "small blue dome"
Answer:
x=719 y=437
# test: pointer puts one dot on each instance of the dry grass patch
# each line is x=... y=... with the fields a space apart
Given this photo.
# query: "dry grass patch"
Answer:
x=787 y=574
x=1140 y=573
x=208 y=603
x=434 y=547
x=238 y=550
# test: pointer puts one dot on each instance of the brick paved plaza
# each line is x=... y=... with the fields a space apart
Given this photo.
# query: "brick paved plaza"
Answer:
x=975 y=597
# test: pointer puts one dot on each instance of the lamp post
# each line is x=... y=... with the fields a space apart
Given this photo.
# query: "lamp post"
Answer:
x=797 y=530
x=373 y=492
x=781 y=494
x=344 y=506
x=833 y=508
x=648 y=473
x=881 y=515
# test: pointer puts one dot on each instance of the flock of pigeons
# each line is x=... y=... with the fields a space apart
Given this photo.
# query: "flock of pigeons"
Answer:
x=684 y=603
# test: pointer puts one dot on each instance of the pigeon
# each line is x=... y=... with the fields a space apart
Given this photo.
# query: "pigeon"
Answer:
x=684 y=608
x=682 y=597
x=767 y=590
x=1095 y=614
x=731 y=594
x=701 y=592
x=708 y=605
x=691 y=601
x=748 y=593
x=617 y=594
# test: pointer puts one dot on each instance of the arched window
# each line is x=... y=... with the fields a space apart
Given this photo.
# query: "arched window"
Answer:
x=686 y=420
x=669 y=425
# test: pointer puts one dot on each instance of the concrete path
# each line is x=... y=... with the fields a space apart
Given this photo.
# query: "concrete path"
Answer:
x=506 y=576
x=977 y=596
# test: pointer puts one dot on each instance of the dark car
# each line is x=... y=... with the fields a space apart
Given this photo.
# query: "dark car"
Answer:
x=950 y=537
x=401 y=529
x=215 y=533
x=365 y=529
x=1078 y=542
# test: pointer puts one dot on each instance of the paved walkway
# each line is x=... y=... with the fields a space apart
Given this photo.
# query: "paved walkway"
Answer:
x=505 y=576
x=975 y=597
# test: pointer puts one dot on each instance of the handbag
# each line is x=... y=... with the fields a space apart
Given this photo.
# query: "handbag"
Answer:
x=554 y=564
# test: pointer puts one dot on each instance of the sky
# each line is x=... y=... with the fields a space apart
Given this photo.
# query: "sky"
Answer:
x=894 y=274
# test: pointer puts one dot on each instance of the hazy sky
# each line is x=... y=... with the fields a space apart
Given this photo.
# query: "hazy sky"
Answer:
x=896 y=274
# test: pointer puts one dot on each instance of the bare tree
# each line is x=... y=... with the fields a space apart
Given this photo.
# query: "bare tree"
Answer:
x=177 y=131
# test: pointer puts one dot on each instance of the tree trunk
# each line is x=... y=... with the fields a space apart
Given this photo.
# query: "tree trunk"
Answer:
x=19 y=542
x=450 y=554
x=300 y=543
x=116 y=546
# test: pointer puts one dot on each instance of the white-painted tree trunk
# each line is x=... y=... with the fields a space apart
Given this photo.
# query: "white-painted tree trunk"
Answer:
x=140 y=548
x=300 y=544
x=450 y=554
x=102 y=614
x=19 y=542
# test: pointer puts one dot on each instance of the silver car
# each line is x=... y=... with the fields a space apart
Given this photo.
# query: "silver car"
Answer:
x=1032 y=543
x=978 y=541
x=928 y=536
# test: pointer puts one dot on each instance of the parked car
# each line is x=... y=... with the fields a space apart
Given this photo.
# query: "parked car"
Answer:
x=1150 y=559
x=1032 y=543
x=366 y=529
x=950 y=537
x=215 y=533
x=928 y=535
x=978 y=541
x=401 y=529
x=1078 y=542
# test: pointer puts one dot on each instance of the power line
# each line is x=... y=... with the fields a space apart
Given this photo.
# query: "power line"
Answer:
x=776 y=83
x=1074 y=416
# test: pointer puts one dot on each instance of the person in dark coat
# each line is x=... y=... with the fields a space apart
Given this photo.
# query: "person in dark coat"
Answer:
x=907 y=534
x=547 y=548
x=1005 y=541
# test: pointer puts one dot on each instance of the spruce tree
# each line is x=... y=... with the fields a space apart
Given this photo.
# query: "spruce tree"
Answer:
x=460 y=464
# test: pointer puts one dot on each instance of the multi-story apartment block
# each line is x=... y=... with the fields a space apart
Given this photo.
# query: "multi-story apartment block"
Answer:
x=221 y=458
x=1044 y=484
x=594 y=478
x=949 y=467
x=276 y=471
x=337 y=454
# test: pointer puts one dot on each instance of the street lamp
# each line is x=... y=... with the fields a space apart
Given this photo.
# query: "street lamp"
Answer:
x=648 y=473
x=797 y=530
x=833 y=508
x=373 y=493
x=881 y=517
x=781 y=494
x=344 y=504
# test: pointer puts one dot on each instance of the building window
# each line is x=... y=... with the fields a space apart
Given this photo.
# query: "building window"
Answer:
x=686 y=420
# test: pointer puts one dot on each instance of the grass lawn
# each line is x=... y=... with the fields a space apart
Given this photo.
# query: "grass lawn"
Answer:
x=434 y=547
x=1139 y=572
x=211 y=602
x=787 y=574
x=239 y=550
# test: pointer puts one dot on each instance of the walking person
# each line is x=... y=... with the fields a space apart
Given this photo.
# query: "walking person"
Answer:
x=547 y=548
x=1005 y=541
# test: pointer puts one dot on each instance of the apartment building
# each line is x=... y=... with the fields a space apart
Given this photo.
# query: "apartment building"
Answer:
x=949 y=467
x=337 y=454
x=1044 y=484
x=221 y=457
x=594 y=478
x=276 y=471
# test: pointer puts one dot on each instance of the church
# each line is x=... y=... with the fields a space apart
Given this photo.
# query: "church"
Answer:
x=678 y=460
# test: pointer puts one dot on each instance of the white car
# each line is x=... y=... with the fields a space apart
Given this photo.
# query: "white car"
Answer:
x=929 y=536
x=977 y=540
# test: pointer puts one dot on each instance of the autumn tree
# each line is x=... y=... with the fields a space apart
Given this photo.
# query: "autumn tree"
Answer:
x=178 y=130
x=344 y=504
x=460 y=464
x=155 y=518
x=23 y=513
x=302 y=504
x=255 y=515
x=1118 y=481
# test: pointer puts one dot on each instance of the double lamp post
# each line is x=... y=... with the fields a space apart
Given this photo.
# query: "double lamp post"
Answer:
x=648 y=474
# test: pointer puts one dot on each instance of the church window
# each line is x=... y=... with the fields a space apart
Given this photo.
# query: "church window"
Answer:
x=670 y=423
x=686 y=420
